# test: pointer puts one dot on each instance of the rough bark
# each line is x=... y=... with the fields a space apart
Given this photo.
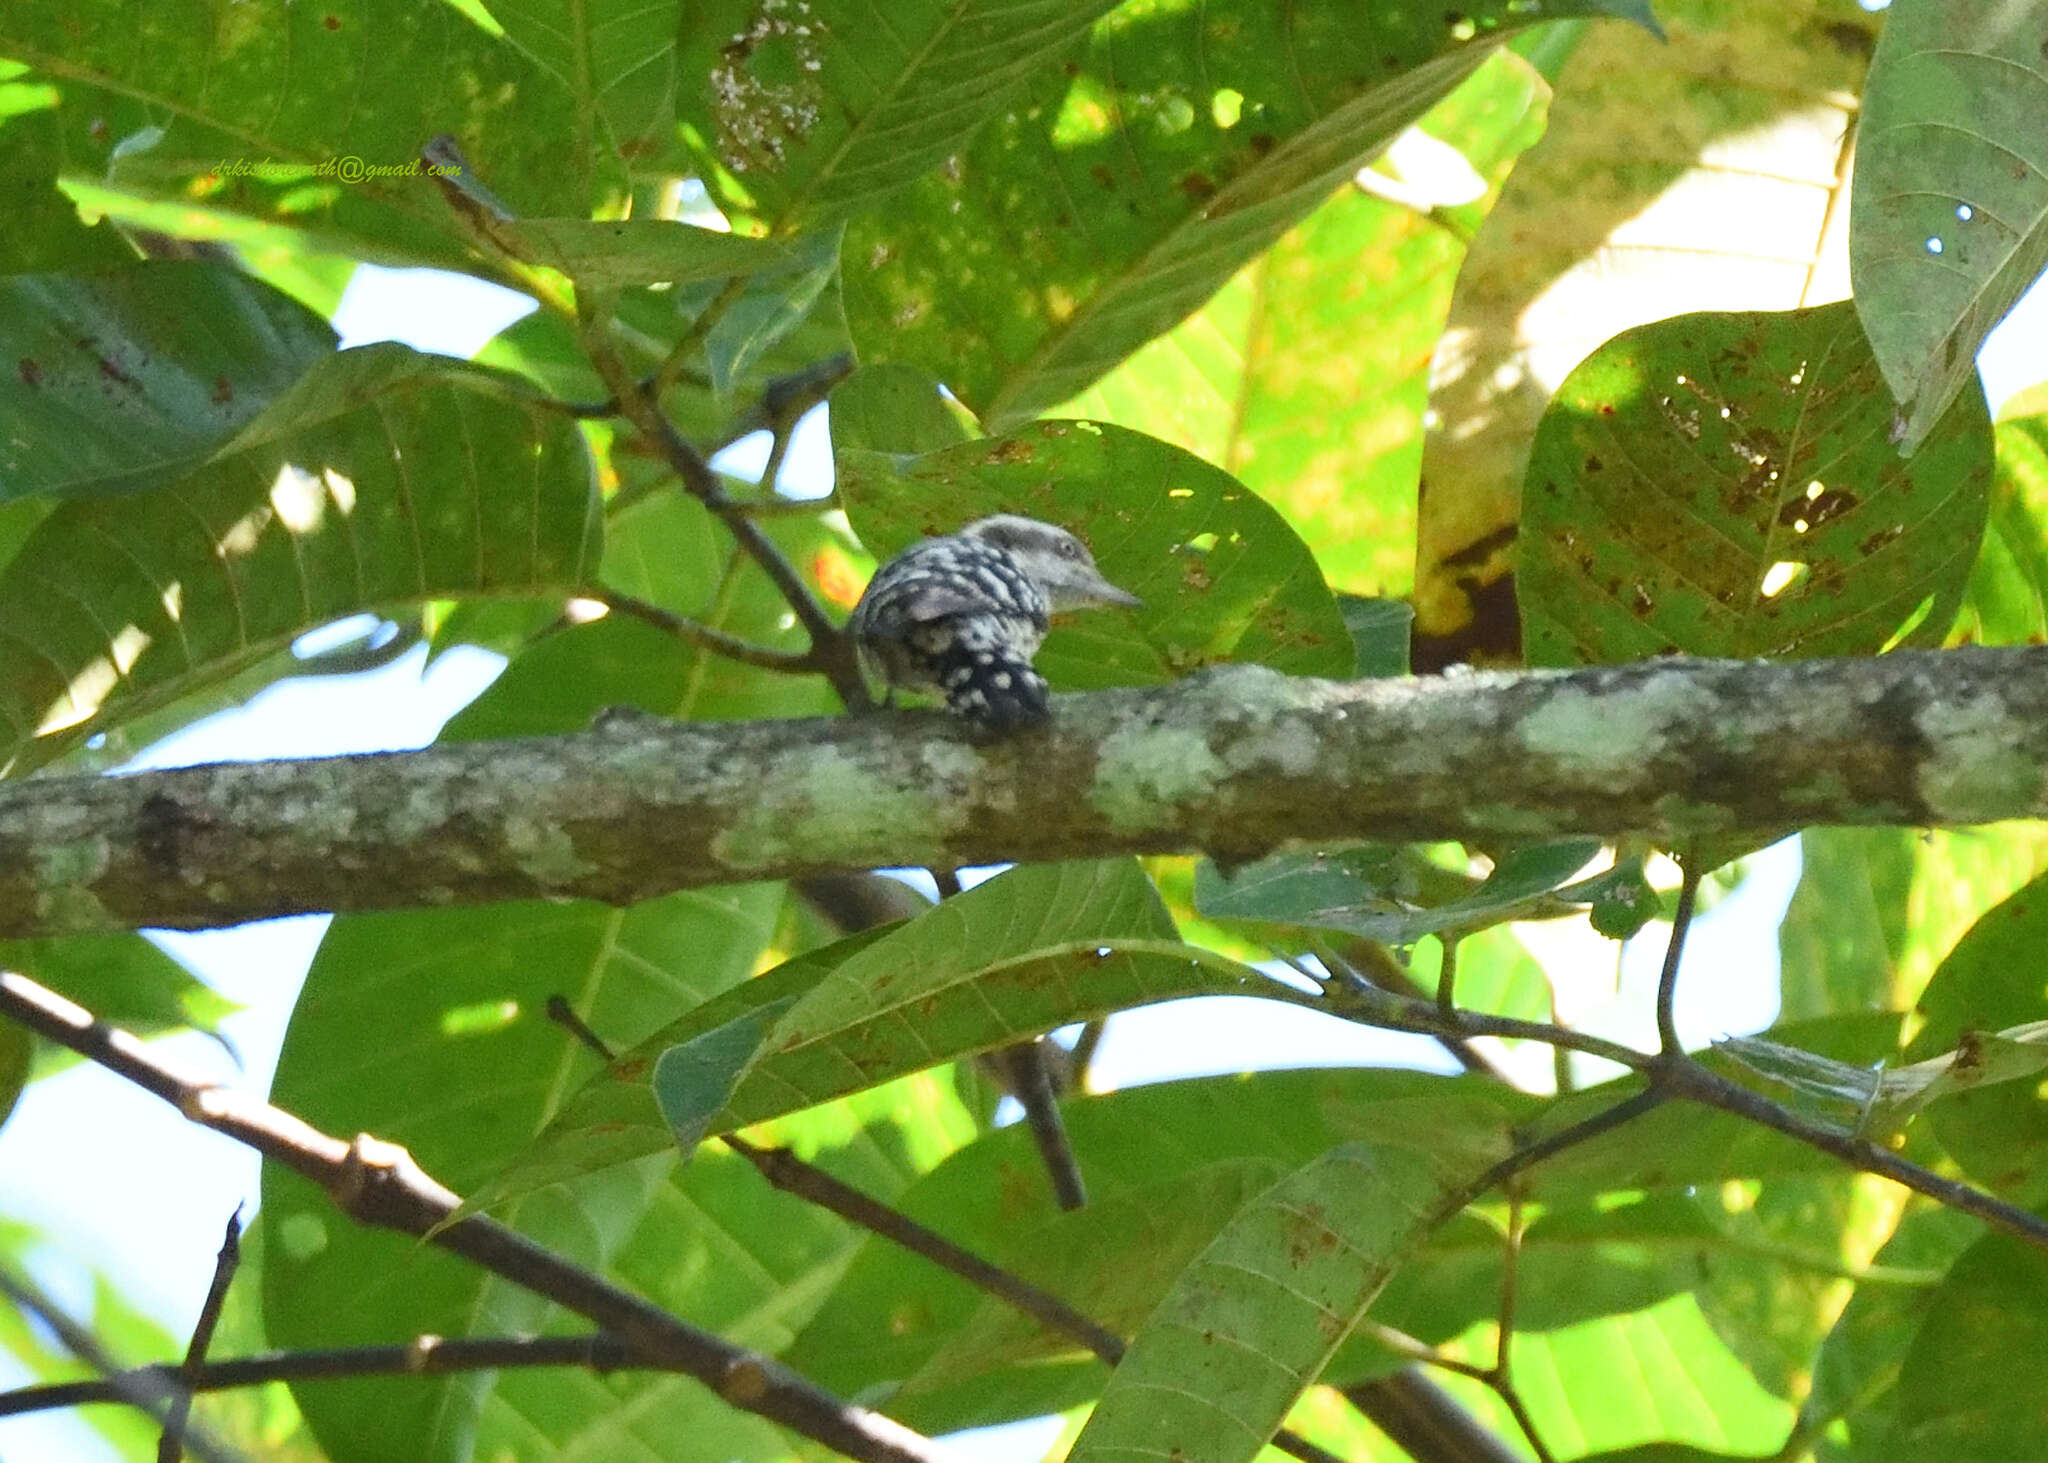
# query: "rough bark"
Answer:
x=1233 y=762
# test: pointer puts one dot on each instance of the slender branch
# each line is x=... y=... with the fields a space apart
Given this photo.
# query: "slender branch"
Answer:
x=170 y=1447
x=378 y=1183
x=1426 y=1421
x=1502 y=1376
x=708 y=636
x=81 y=1343
x=424 y=1356
x=830 y=645
x=1687 y=1078
x=1667 y=980
x=1447 y=972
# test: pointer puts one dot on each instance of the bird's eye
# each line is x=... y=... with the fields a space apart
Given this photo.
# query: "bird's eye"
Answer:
x=1069 y=549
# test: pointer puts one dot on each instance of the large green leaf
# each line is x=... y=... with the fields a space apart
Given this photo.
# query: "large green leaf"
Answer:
x=806 y=114
x=1222 y=576
x=428 y=1029
x=1991 y=980
x=382 y=477
x=317 y=112
x=1722 y=484
x=1120 y=192
x=615 y=59
x=613 y=1118
x=1948 y=223
x=1034 y=948
x=1855 y=1371
x=131 y=378
x=1248 y=1327
x=1970 y=1387
x=1307 y=374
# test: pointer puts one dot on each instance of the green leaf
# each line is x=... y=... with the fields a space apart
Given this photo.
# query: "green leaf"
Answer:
x=383 y=477
x=428 y=1028
x=285 y=116
x=1123 y=190
x=1364 y=891
x=610 y=253
x=804 y=116
x=44 y=234
x=1249 y=1326
x=1992 y=979
x=1855 y=1372
x=893 y=408
x=1306 y=375
x=769 y=307
x=1948 y=223
x=1222 y=576
x=122 y=979
x=613 y=1119
x=1379 y=633
x=615 y=58
x=131 y=378
x=1970 y=1387
x=1033 y=948
x=2007 y=599
x=1721 y=484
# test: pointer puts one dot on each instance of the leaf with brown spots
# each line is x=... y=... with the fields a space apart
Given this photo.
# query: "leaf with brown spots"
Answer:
x=1725 y=484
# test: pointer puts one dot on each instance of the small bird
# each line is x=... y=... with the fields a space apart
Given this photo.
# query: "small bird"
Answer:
x=962 y=616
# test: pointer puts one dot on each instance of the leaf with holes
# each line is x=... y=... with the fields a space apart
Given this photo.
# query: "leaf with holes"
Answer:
x=1113 y=197
x=1031 y=949
x=383 y=477
x=1250 y=1325
x=805 y=112
x=131 y=378
x=1222 y=576
x=429 y=1029
x=1722 y=484
x=1948 y=223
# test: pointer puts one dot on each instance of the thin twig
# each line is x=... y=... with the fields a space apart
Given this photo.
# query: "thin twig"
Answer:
x=1667 y=980
x=170 y=1447
x=1502 y=1376
x=378 y=1183
x=1447 y=972
x=1368 y=964
x=709 y=637
x=1685 y=1077
x=831 y=648
x=81 y=1343
x=422 y=1357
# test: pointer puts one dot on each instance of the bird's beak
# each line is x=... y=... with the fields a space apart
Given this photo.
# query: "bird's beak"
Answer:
x=1103 y=592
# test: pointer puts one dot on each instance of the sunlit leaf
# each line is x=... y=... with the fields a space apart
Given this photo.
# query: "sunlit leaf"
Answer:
x=1949 y=219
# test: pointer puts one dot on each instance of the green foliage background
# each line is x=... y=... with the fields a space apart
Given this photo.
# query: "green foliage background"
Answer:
x=1226 y=287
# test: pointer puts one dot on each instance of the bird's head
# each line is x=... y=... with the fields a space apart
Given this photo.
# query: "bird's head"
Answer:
x=1057 y=562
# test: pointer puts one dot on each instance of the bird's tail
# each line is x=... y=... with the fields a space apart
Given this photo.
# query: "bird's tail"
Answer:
x=995 y=691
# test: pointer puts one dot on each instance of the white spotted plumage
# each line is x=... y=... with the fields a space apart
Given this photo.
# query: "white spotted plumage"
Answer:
x=962 y=616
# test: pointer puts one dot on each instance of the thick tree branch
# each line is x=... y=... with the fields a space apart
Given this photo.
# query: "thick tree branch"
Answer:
x=1233 y=762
